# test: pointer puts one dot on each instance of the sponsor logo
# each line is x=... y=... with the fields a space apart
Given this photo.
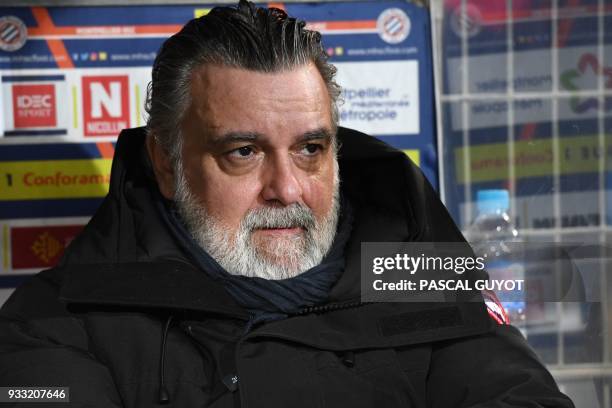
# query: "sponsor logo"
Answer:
x=393 y=25
x=34 y=106
x=532 y=158
x=46 y=247
x=466 y=22
x=384 y=100
x=106 y=108
x=40 y=247
x=587 y=65
x=49 y=179
x=13 y=33
x=494 y=308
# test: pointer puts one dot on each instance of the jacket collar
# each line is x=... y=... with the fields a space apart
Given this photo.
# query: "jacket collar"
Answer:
x=169 y=284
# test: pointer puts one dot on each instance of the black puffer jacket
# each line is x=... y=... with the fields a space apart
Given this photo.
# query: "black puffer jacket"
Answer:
x=127 y=321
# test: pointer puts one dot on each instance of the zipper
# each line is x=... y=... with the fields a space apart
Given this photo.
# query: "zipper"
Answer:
x=329 y=307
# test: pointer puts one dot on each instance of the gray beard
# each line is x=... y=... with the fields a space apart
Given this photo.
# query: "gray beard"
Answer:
x=282 y=257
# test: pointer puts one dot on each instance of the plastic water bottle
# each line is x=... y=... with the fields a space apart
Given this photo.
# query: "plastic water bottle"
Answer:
x=493 y=236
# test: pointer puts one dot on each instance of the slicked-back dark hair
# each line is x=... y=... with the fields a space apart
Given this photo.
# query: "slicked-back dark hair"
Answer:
x=244 y=36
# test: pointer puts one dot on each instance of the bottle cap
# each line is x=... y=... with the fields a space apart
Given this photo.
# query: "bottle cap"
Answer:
x=492 y=201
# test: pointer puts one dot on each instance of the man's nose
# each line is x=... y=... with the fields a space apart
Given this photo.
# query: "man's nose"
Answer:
x=281 y=181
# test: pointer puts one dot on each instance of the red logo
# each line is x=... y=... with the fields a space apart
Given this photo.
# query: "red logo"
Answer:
x=40 y=247
x=106 y=109
x=34 y=106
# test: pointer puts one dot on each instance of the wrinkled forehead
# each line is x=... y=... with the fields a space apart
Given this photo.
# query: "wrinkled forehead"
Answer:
x=226 y=99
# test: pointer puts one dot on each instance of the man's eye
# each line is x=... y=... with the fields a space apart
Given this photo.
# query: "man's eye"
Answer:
x=311 y=149
x=241 y=152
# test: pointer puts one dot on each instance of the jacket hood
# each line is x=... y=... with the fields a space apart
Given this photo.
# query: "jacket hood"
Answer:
x=126 y=255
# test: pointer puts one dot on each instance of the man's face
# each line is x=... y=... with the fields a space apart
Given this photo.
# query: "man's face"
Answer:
x=258 y=184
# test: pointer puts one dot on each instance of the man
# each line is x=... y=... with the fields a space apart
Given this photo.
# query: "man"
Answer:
x=222 y=269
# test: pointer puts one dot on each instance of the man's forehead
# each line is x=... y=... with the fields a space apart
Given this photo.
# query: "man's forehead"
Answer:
x=227 y=99
x=227 y=81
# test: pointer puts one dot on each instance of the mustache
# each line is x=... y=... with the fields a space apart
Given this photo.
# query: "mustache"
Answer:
x=291 y=216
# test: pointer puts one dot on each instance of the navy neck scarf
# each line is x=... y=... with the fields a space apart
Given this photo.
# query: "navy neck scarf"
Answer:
x=268 y=300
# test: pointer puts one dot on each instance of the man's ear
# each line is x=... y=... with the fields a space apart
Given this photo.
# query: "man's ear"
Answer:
x=162 y=167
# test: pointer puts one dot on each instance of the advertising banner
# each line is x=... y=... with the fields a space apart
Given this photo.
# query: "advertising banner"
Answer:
x=555 y=74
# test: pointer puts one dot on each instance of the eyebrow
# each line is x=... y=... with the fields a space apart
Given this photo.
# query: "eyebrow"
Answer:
x=233 y=137
x=317 y=134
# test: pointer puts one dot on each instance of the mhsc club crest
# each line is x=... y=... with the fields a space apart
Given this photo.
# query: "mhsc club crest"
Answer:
x=393 y=25
x=13 y=33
